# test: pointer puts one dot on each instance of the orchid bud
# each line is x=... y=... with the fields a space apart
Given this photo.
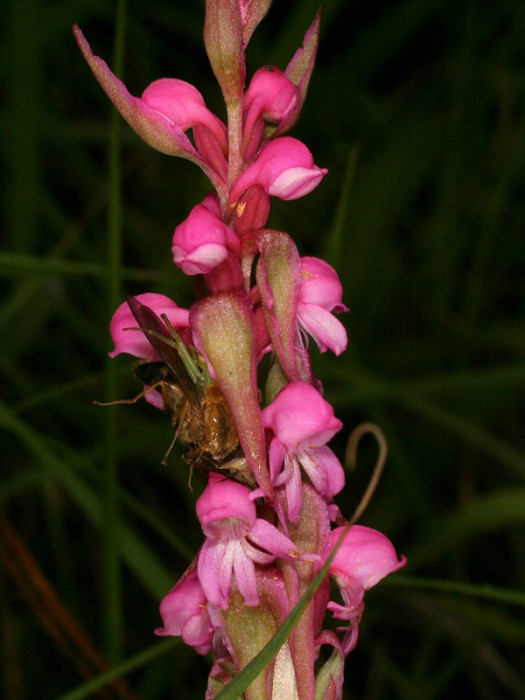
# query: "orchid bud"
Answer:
x=202 y=242
x=270 y=95
x=252 y=211
x=270 y=98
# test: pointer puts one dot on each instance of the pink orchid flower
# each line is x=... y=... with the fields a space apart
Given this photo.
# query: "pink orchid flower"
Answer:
x=271 y=98
x=235 y=540
x=364 y=558
x=184 y=614
x=135 y=342
x=320 y=294
x=302 y=423
x=167 y=108
x=284 y=168
x=202 y=242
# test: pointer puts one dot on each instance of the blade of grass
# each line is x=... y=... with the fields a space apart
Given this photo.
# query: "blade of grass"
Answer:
x=140 y=559
x=335 y=241
x=487 y=514
x=468 y=589
x=466 y=430
x=12 y=264
x=113 y=616
x=134 y=662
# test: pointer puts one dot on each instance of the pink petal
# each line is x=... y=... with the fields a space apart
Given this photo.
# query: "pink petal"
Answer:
x=324 y=469
x=214 y=576
x=321 y=285
x=184 y=613
x=300 y=417
x=224 y=500
x=366 y=555
x=201 y=259
x=183 y=105
x=327 y=331
x=276 y=453
x=268 y=537
x=135 y=342
x=244 y=571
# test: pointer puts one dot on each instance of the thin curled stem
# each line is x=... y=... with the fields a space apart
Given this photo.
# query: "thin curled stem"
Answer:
x=351 y=461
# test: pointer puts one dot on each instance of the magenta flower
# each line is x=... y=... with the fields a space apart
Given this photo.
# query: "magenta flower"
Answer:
x=285 y=168
x=202 y=242
x=270 y=98
x=235 y=540
x=184 y=614
x=320 y=294
x=134 y=342
x=302 y=423
x=167 y=109
x=183 y=106
x=364 y=558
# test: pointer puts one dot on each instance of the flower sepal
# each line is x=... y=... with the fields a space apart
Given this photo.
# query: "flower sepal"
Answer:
x=248 y=629
x=222 y=325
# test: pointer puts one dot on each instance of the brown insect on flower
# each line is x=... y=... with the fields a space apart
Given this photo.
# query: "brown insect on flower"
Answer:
x=192 y=398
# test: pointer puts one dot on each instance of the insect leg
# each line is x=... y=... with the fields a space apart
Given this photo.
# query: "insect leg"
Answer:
x=133 y=400
x=189 y=363
x=182 y=415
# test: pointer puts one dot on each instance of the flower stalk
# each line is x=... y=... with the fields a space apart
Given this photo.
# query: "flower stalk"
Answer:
x=259 y=436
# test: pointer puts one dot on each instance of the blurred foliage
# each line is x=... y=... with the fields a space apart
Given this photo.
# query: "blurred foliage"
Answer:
x=417 y=109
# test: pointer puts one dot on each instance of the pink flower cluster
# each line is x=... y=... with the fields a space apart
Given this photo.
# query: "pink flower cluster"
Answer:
x=265 y=537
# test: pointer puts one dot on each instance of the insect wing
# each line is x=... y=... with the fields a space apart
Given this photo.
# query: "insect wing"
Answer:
x=149 y=321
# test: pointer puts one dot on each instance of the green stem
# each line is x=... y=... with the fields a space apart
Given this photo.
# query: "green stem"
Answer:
x=112 y=574
x=234 y=109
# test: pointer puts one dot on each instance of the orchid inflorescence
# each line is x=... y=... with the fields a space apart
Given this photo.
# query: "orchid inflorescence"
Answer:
x=264 y=540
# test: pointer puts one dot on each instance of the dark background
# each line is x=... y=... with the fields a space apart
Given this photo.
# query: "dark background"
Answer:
x=426 y=99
